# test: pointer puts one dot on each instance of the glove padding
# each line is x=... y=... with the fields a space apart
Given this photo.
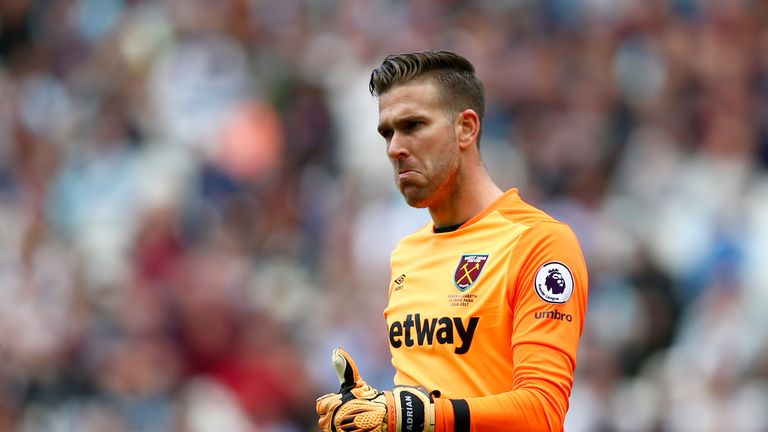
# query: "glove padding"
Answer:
x=359 y=407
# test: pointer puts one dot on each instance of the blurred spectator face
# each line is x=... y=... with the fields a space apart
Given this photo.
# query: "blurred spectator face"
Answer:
x=421 y=143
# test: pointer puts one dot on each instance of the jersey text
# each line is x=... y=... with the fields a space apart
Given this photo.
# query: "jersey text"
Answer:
x=414 y=330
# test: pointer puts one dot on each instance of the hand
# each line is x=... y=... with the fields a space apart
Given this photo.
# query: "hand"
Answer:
x=359 y=407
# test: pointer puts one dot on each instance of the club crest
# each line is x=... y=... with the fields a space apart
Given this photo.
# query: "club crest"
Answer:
x=468 y=270
x=554 y=282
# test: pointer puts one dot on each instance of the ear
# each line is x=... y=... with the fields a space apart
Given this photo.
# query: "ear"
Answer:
x=467 y=128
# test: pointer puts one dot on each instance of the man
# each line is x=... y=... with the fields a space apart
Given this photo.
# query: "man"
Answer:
x=487 y=302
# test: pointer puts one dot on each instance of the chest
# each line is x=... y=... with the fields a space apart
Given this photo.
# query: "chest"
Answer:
x=445 y=293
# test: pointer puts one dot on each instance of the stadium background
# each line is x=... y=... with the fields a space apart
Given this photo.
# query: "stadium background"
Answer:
x=195 y=207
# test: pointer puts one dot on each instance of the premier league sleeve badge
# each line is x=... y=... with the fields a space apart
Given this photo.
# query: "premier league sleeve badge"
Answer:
x=554 y=282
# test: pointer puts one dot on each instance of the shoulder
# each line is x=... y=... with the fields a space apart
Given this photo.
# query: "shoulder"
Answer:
x=536 y=222
x=516 y=210
x=542 y=234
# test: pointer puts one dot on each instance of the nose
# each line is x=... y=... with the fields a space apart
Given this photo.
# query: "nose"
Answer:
x=396 y=147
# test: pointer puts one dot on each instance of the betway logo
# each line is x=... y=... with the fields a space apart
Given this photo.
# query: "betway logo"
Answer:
x=444 y=330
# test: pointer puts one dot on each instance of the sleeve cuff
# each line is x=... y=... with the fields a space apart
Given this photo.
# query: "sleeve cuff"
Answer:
x=451 y=415
x=443 y=415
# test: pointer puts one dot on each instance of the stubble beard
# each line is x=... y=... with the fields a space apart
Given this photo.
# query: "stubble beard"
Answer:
x=435 y=187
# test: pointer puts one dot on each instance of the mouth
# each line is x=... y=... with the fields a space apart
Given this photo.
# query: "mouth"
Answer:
x=406 y=170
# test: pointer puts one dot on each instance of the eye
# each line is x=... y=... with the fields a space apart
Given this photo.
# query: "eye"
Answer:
x=386 y=133
x=412 y=124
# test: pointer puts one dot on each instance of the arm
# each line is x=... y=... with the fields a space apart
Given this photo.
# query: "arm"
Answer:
x=547 y=326
x=536 y=405
x=358 y=407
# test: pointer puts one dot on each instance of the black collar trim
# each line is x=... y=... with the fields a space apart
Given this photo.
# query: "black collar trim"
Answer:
x=450 y=228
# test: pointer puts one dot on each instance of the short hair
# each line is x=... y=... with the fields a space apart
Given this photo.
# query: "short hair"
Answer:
x=453 y=75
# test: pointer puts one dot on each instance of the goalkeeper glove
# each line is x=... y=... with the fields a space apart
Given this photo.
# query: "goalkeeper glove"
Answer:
x=359 y=407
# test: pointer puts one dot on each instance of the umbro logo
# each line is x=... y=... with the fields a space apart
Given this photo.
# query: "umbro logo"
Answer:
x=399 y=283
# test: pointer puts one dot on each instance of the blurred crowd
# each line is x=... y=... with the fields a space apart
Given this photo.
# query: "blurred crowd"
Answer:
x=195 y=207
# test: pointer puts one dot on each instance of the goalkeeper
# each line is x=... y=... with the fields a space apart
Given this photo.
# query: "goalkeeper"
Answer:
x=487 y=301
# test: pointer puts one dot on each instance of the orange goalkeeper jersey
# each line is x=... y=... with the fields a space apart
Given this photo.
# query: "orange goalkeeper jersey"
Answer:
x=491 y=313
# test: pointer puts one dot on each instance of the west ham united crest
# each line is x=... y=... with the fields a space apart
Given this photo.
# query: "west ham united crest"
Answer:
x=468 y=270
x=554 y=282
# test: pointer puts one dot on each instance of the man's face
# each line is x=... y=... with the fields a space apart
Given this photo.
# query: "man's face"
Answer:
x=421 y=143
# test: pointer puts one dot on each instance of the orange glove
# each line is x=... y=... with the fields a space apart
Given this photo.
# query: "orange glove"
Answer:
x=359 y=407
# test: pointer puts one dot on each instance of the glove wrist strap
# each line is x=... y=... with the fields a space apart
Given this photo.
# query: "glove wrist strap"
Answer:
x=410 y=411
x=391 y=420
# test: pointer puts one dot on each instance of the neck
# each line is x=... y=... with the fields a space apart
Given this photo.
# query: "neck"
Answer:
x=472 y=195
